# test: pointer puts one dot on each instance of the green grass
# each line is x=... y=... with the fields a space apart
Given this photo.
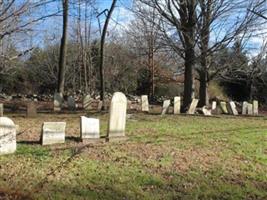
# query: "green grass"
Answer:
x=170 y=157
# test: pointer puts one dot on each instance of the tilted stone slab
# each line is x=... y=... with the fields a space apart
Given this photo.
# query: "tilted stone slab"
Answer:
x=90 y=128
x=87 y=101
x=177 y=105
x=53 y=133
x=144 y=103
x=165 y=107
x=193 y=107
x=233 y=108
x=223 y=106
x=7 y=136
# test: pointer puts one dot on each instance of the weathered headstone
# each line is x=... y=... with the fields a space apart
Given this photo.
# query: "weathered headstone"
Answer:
x=233 y=108
x=90 y=128
x=245 y=108
x=214 y=105
x=206 y=111
x=71 y=103
x=7 y=136
x=87 y=102
x=193 y=107
x=1 y=110
x=53 y=133
x=144 y=103
x=255 y=107
x=31 y=109
x=58 y=101
x=117 y=118
x=165 y=107
x=224 y=107
x=250 y=109
x=177 y=105
x=99 y=105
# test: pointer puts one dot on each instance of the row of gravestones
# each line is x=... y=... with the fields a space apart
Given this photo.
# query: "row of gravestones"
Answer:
x=226 y=108
x=54 y=132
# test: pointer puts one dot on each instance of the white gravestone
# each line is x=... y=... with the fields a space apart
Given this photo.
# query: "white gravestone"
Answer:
x=87 y=102
x=53 y=133
x=166 y=106
x=58 y=101
x=144 y=103
x=224 y=107
x=206 y=111
x=7 y=136
x=117 y=118
x=1 y=110
x=177 y=105
x=250 y=109
x=90 y=128
x=255 y=107
x=71 y=103
x=233 y=108
x=245 y=108
x=214 y=105
x=193 y=107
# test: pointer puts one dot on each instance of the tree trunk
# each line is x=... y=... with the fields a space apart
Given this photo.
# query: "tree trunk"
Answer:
x=63 y=49
x=203 y=89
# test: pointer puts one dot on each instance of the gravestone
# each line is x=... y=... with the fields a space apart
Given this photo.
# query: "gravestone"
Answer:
x=58 y=101
x=166 y=106
x=177 y=105
x=144 y=103
x=87 y=102
x=245 y=108
x=71 y=103
x=224 y=107
x=53 y=133
x=193 y=107
x=250 y=109
x=233 y=108
x=117 y=118
x=100 y=105
x=31 y=109
x=7 y=136
x=90 y=128
x=214 y=105
x=1 y=110
x=255 y=107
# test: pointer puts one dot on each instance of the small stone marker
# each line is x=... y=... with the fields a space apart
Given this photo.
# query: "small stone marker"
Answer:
x=71 y=103
x=250 y=109
x=87 y=102
x=58 y=101
x=31 y=109
x=224 y=107
x=214 y=105
x=90 y=128
x=193 y=107
x=7 y=136
x=1 y=110
x=144 y=103
x=177 y=105
x=255 y=107
x=166 y=106
x=53 y=133
x=233 y=108
x=100 y=105
x=117 y=118
x=245 y=108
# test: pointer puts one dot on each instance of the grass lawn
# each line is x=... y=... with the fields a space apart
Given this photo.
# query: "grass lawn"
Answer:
x=171 y=157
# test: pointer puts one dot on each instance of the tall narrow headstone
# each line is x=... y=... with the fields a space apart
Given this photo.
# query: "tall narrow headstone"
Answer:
x=58 y=101
x=177 y=105
x=214 y=105
x=144 y=103
x=7 y=136
x=1 y=110
x=250 y=109
x=255 y=107
x=71 y=103
x=90 y=128
x=87 y=102
x=224 y=107
x=53 y=133
x=245 y=108
x=31 y=109
x=233 y=108
x=117 y=118
x=165 y=107
x=193 y=107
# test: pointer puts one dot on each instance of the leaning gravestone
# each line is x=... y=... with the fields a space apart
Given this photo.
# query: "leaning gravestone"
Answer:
x=206 y=111
x=53 y=133
x=250 y=109
x=245 y=108
x=87 y=102
x=193 y=107
x=166 y=106
x=224 y=107
x=233 y=108
x=7 y=136
x=117 y=118
x=144 y=103
x=1 y=110
x=71 y=103
x=58 y=101
x=90 y=128
x=255 y=107
x=177 y=105
x=31 y=109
